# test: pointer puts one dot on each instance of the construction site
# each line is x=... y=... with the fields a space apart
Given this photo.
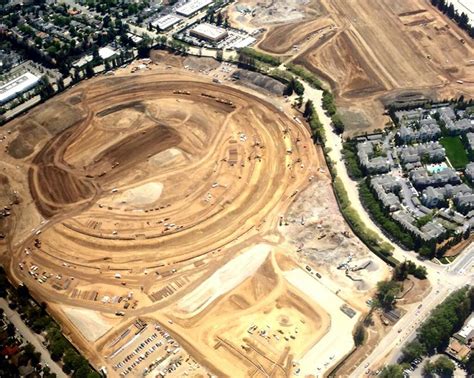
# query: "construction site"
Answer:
x=370 y=54
x=168 y=222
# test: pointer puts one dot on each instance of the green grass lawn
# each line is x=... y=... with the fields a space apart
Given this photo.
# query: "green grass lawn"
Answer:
x=455 y=151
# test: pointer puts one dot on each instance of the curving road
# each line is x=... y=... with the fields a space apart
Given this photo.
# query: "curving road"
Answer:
x=444 y=279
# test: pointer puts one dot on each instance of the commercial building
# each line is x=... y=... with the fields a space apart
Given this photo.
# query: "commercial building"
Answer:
x=165 y=22
x=209 y=32
x=13 y=88
x=466 y=334
x=107 y=53
x=192 y=7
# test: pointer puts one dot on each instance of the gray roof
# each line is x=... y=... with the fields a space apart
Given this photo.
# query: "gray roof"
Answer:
x=434 y=151
x=433 y=229
x=365 y=152
x=469 y=171
x=462 y=126
x=421 y=178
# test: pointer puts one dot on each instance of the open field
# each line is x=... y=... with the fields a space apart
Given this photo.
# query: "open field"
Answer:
x=161 y=199
x=455 y=151
x=379 y=53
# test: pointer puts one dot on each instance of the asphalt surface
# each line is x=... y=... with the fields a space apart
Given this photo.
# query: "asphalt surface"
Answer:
x=444 y=279
x=28 y=335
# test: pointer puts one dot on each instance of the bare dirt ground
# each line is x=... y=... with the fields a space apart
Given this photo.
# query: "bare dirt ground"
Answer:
x=375 y=53
x=162 y=195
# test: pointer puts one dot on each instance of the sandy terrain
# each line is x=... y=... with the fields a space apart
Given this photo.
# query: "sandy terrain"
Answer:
x=259 y=327
x=338 y=341
x=90 y=323
x=127 y=195
x=377 y=53
x=163 y=196
x=224 y=279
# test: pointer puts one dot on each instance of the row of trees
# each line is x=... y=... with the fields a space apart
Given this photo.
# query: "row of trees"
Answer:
x=380 y=215
x=349 y=151
x=250 y=57
x=36 y=317
x=317 y=129
x=304 y=74
x=369 y=237
x=461 y=19
x=445 y=320
x=330 y=106
x=442 y=367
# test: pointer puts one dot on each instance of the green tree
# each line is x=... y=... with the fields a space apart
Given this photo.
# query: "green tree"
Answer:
x=428 y=370
x=386 y=293
x=391 y=371
x=294 y=86
x=328 y=103
x=298 y=87
x=470 y=364
x=308 y=109
x=359 y=335
x=444 y=366
x=89 y=70
x=10 y=330
x=28 y=351
x=413 y=350
x=337 y=124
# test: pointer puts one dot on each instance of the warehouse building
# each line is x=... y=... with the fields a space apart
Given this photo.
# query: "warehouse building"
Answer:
x=165 y=22
x=192 y=7
x=13 y=88
x=209 y=32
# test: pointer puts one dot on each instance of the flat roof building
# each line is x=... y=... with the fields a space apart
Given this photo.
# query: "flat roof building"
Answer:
x=107 y=53
x=209 y=32
x=192 y=7
x=13 y=88
x=165 y=22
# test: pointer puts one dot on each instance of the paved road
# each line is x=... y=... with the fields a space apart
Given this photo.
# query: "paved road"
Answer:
x=28 y=335
x=443 y=279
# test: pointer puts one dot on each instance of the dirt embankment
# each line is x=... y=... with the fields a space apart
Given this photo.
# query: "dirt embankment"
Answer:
x=378 y=52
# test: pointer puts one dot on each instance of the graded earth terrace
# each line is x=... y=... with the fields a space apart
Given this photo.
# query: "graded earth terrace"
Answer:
x=150 y=204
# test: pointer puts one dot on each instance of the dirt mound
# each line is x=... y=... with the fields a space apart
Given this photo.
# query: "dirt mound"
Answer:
x=257 y=80
x=380 y=49
x=29 y=135
x=200 y=64
x=283 y=38
x=32 y=131
x=163 y=57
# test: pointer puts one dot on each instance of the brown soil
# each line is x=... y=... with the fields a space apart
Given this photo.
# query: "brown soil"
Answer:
x=384 y=52
x=144 y=187
x=282 y=38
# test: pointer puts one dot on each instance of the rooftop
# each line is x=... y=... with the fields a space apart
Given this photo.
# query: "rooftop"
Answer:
x=20 y=84
x=165 y=22
x=209 y=30
x=192 y=6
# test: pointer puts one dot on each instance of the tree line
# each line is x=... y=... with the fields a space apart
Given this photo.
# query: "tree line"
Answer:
x=37 y=318
x=461 y=19
x=445 y=320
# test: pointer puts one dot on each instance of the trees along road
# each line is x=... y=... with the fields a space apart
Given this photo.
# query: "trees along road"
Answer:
x=29 y=336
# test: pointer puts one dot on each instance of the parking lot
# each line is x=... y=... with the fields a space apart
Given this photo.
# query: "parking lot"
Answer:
x=148 y=349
